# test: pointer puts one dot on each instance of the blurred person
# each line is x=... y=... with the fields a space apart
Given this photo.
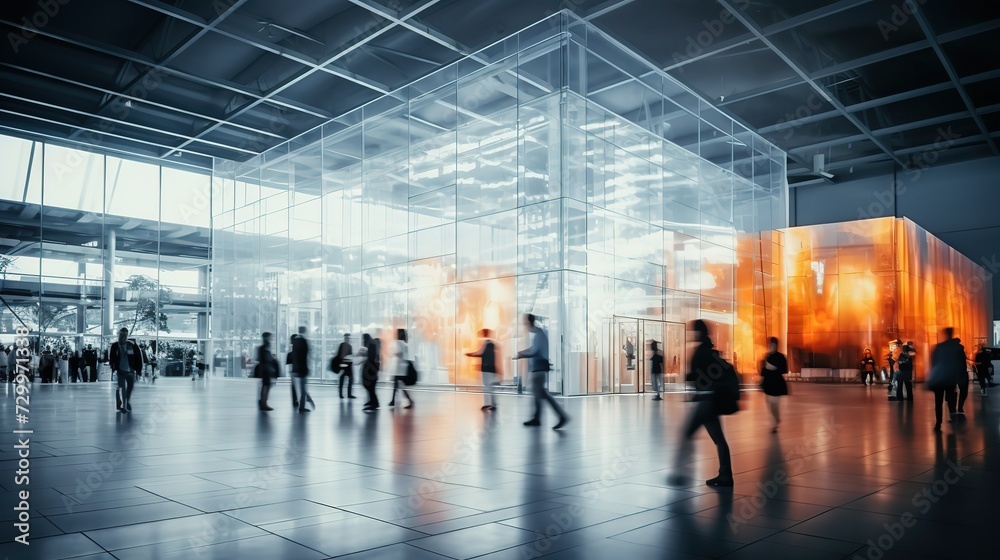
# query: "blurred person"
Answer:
x=370 y=363
x=947 y=368
x=47 y=365
x=125 y=360
x=300 y=368
x=867 y=367
x=90 y=362
x=983 y=360
x=772 y=372
x=656 y=369
x=11 y=363
x=63 y=366
x=717 y=396
x=3 y=362
x=963 y=384
x=487 y=354
x=904 y=372
x=266 y=369
x=629 y=349
x=895 y=347
x=539 y=366
x=74 y=366
x=401 y=353
x=342 y=366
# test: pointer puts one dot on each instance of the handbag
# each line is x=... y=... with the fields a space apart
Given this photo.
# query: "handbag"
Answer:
x=411 y=374
x=938 y=378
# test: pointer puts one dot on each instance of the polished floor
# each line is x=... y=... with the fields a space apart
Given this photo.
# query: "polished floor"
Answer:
x=196 y=472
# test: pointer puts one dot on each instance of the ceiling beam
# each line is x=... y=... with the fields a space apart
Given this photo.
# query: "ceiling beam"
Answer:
x=773 y=29
x=740 y=15
x=135 y=99
x=925 y=26
x=341 y=53
x=115 y=52
x=119 y=122
x=605 y=8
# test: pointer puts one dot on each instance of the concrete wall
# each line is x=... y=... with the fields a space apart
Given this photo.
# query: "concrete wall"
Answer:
x=959 y=203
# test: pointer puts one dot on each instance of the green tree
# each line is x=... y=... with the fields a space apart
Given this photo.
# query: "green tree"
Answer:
x=150 y=299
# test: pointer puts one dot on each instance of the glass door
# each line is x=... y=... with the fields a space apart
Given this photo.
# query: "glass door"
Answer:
x=674 y=356
x=627 y=361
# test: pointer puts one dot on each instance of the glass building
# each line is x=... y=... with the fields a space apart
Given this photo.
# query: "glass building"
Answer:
x=94 y=242
x=554 y=172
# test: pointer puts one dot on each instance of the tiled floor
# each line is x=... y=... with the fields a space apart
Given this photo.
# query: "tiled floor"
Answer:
x=196 y=472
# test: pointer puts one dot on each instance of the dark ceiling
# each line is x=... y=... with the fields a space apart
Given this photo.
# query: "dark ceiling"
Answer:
x=861 y=82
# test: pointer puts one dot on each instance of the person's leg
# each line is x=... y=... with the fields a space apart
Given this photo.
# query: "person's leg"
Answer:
x=714 y=428
x=395 y=387
x=120 y=399
x=981 y=377
x=563 y=417
x=537 y=388
x=963 y=393
x=938 y=404
x=129 y=385
x=295 y=393
x=774 y=404
x=350 y=383
x=949 y=398
x=343 y=373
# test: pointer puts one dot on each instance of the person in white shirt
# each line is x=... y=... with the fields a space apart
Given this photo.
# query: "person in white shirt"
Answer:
x=401 y=352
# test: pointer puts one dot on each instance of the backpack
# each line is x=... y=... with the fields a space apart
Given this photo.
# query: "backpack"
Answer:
x=727 y=388
x=411 y=374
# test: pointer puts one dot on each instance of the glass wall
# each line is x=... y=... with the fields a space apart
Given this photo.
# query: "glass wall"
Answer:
x=92 y=243
x=554 y=172
x=864 y=284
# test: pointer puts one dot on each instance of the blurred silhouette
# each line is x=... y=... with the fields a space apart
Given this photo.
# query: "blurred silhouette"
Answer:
x=90 y=362
x=904 y=372
x=370 y=362
x=772 y=372
x=74 y=366
x=300 y=368
x=715 y=396
x=539 y=366
x=947 y=367
x=629 y=349
x=983 y=360
x=401 y=352
x=342 y=366
x=266 y=369
x=656 y=369
x=46 y=365
x=488 y=366
x=867 y=367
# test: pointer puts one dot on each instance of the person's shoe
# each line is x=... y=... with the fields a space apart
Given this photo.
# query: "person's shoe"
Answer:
x=720 y=481
x=562 y=422
x=534 y=422
x=341 y=396
x=960 y=413
x=493 y=407
x=265 y=408
x=485 y=407
x=409 y=405
x=351 y=397
x=128 y=406
x=295 y=404
x=657 y=398
x=982 y=392
x=304 y=410
x=392 y=403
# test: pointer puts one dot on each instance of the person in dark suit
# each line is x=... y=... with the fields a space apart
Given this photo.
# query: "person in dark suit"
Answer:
x=371 y=363
x=74 y=366
x=487 y=354
x=904 y=372
x=948 y=359
x=300 y=368
x=266 y=369
x=341 y=365
x=772 y=372
x=125 y=359
x=90 y=362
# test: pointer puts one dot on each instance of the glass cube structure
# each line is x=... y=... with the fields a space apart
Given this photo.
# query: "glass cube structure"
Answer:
x=554 y=172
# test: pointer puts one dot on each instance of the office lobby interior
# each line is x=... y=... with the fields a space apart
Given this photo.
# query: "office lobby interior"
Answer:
x=291 y=280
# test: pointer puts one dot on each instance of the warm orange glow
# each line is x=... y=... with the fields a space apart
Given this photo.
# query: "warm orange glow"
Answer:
x=864 y=284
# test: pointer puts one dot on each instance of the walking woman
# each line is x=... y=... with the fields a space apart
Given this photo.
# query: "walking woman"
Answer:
x=402 y=354
x=718 y=392
x=772 y=372
x=370 y=365
x=266 y=369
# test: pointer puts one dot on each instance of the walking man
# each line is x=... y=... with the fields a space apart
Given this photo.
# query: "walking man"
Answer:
x=538 y=356
x=300 y=368
x=126 y=361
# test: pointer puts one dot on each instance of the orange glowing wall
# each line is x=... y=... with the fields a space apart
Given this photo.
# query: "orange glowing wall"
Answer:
x=759 y=299
x=862 y=284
